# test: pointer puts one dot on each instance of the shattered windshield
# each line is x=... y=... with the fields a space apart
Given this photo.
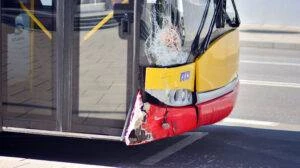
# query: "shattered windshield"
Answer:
x=167 y=31
x=173 y=30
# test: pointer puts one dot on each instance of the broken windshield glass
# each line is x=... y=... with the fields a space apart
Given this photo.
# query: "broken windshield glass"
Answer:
x=167 y=30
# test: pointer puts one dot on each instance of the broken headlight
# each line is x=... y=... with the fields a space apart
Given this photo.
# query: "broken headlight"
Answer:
x=181 y=97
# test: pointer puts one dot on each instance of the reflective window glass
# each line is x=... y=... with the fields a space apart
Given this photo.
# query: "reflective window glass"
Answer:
x=28 y=63
x=100 y=66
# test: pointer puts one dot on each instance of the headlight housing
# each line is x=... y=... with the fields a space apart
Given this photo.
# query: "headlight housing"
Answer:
x=176 y=98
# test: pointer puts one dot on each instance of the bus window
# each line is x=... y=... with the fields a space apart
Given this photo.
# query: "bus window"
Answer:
x=46 y=2
x=101 y=60
x=226 y=19
x=230 y=18
x=231 y=15
x=170 y=30
x=28 y=55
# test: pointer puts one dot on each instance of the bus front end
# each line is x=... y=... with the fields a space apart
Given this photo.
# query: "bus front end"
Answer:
x=188 y=78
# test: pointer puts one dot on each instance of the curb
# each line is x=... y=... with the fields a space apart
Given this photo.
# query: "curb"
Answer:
x=270 y=45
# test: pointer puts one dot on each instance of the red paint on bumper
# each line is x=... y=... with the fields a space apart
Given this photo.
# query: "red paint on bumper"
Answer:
x=217 y=109
x=165 y=122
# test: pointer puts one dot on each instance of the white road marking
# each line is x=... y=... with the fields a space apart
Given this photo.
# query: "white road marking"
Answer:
x=250 y=122
x=268 y=83
x=269 y=63
x=258 y=124
x=193 y=136
x=7 y=162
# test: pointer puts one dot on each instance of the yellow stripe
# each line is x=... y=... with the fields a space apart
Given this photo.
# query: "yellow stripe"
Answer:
x=36 y=20
x=101 y=23
x=182 y=77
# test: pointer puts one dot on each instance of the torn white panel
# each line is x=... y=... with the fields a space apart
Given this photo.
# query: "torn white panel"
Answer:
x=134 y=132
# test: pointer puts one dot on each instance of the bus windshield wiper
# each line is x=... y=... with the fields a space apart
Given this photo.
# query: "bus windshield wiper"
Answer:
x=195 y=44
x=206 y=41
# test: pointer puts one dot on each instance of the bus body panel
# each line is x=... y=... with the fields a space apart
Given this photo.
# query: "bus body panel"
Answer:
x=219 y=64
x=182 y=77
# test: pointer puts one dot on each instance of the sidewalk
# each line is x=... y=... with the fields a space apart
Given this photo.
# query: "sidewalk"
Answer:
x=267 y=36
x=14 y=162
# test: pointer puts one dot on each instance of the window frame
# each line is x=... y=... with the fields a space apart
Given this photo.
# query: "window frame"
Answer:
x=1 y=109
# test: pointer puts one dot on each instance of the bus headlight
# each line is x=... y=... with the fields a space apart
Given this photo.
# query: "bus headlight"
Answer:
x=177 y=98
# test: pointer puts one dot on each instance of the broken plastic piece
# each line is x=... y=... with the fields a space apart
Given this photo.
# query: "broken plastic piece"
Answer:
x=158 y=122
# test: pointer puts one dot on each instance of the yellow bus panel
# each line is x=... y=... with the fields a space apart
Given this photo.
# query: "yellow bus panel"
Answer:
x=182 y=77
x=218 y=66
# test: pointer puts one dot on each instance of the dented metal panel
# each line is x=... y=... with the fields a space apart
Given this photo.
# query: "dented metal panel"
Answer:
x=182 y=77
x=172 y=86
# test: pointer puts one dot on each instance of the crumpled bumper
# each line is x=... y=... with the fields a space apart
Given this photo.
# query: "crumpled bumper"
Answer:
x=149 y=122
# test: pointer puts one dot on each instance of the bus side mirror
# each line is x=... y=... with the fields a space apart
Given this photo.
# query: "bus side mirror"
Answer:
x=220 y=18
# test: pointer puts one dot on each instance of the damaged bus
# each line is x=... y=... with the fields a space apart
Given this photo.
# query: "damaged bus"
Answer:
x=126 y=70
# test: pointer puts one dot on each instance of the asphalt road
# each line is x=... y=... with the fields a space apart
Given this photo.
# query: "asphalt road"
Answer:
x=263 y=130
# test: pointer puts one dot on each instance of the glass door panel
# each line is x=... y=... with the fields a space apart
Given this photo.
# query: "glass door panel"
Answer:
x=28 y=63
x=100 y=67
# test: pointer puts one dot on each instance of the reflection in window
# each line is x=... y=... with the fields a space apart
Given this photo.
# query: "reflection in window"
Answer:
x=46 y=2
x=28 y=59
x=101 y=74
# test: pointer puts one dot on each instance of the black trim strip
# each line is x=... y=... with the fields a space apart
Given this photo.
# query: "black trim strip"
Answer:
x=1 y=64
x=206 y=40
x=133 y=69
x=64 y=47
x=28 y=105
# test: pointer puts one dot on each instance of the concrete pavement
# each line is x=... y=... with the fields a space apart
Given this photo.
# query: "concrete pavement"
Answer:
x=15 y=162
x=270 y=36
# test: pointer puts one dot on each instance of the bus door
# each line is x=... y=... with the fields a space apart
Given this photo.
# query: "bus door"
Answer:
x=102 y=61
x=28 y=78
x=40 y=79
